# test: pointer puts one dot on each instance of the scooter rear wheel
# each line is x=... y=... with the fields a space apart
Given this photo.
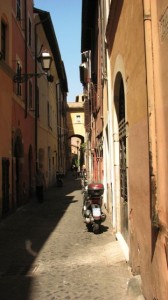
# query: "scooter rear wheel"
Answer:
x=96 y=228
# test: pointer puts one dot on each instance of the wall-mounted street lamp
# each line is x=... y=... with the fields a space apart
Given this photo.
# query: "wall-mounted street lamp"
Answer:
x=45 y=59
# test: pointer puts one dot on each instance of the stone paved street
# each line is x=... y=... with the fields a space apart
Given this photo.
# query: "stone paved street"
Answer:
x=46 y=253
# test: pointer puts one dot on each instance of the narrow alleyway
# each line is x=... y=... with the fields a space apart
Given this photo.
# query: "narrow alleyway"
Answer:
x=46 y=253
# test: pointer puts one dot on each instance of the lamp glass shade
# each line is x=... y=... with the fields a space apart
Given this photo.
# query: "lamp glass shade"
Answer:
x=46 y=60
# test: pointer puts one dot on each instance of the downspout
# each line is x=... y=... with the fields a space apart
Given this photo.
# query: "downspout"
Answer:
x=58 y=126
x=151 y=111
x=25 y=15
x=36 y=98
x=36 y=91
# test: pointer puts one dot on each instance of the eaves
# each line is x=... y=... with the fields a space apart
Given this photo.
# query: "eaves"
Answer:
x=113 y=19
x=47 y=25
x=88 y=12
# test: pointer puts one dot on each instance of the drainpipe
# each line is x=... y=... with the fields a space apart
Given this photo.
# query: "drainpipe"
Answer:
x=36 y=90
x=36 y=97
x=25 y=15
x=151 y=111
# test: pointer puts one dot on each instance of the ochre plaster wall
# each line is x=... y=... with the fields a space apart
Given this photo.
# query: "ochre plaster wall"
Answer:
x=128 y=58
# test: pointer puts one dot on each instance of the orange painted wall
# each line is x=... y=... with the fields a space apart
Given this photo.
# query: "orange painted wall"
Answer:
x=20 y=121
x=6 y=97
x=148 y=244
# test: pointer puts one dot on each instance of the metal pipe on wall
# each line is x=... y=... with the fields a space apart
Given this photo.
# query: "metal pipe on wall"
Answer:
x=151 y=110
x=25 y=13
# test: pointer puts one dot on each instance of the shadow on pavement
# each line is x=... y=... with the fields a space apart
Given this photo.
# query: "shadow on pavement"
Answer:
x=23 y=234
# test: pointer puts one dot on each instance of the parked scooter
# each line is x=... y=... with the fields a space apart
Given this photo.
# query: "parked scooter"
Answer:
x=92 y=206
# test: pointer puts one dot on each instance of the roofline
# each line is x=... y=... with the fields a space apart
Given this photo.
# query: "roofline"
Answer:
x=88 y=12
x=47 y=25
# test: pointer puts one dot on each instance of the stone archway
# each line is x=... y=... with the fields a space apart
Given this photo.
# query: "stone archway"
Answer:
x=77 y=151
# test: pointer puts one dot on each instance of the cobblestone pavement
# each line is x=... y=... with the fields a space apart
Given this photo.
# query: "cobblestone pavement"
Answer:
x=46 y=253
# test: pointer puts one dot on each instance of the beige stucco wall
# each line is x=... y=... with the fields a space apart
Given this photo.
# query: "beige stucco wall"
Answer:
x=160 y=36
x=74 y=127
x=159 y=11
x=47 y=133
x=128 y=58
x=148 y=245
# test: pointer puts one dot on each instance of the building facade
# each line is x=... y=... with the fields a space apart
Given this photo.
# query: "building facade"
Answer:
x=22 y=102
x=29 y=100
x=76 y=132
x=129 y=45
x=52 y=97
x=6 y=106
x=90 y=77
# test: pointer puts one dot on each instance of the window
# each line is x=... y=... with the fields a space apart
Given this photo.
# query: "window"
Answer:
x=19 y=72
x=30 y=95
x=18 y=9
x=38 y=106
x=30 y=32
x=3 y=39
x=49 y=115
x=78 y=119
x=49 y=159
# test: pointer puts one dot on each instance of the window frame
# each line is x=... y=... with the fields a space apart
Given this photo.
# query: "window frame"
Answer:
x=3 y=39
x=18 y=72
x=78 y=118
x=49 y=114
x=30 y=95
x=29 y=32
x=18 y=10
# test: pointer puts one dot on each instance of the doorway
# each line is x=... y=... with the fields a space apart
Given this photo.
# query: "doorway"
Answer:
x=18 y=169
x=122 y=154
x=5 y=185
x=30 y=166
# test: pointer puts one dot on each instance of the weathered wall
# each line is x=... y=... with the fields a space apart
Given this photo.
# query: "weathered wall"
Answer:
x=128 y=57
x=6 y=98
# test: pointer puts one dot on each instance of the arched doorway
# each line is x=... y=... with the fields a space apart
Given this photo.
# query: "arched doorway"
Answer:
x=5 y=185
x=76 y=150
x=121 y=154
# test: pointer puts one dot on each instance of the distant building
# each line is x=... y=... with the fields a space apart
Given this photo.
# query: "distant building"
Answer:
x=76 y=131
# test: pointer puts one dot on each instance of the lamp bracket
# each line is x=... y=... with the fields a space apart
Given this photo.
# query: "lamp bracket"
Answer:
x=24 y=77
